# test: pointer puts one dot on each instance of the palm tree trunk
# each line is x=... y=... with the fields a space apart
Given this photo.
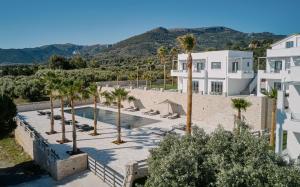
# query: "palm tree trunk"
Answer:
x=172 y=69
x=95 y=116
x=146 y=83
x=119 y=123
x=272 y=135
x=63 y=127
x=239 y=118
x=118 y=80
x=74 y=127
x=137 y=77
x=189 y=96
x=164 y=76
x=52 y=131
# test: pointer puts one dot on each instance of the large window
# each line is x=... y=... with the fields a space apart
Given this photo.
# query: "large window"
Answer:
x=184 y=66
x=217 y=87
x=289 y=44
x=278 y=66
x=216 y=65
x=277 y=85
x=195 y=86
x=200 y=66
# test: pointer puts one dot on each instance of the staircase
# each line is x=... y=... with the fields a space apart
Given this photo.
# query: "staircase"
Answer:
x=251 y=87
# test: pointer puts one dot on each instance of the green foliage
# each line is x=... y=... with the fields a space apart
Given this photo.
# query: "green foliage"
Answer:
x=8 y=111
x=187 y=42
x=240 y=104
x=220 y=159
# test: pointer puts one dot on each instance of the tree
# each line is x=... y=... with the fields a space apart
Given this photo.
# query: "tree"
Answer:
x=50 y=81
x=173 y=53
x=272 y=94
x=74 y=89
x=94 y=92
x=59 y=62
x=147 y=76
x=187 y=43
x=61 y=94
x=77 y=62
x=8 y=111
x=162 y=54
x=131 y=77
x=240 y=104
x=221 y=158
x=118 y=95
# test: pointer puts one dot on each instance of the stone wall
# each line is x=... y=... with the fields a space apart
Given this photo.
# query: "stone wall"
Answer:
x=210 y=109
x=41 y=152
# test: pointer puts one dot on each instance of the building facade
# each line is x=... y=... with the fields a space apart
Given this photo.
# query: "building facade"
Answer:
x=218 y=72
x=283 y=55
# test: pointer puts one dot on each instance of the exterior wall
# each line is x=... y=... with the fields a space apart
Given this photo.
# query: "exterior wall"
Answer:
x=226 y=58
x=235 y=86
x=43 y=155
x=282 y=44
x=212 y=110
x=294 y=102
x=293 y=144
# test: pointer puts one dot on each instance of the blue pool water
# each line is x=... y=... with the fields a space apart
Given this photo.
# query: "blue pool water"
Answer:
x=107 y=116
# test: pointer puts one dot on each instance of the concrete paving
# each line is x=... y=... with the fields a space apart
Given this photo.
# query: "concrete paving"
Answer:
x=101 y=148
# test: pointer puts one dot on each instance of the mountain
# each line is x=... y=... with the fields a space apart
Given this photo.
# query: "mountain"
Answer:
x=42 y=54
x=143 y=45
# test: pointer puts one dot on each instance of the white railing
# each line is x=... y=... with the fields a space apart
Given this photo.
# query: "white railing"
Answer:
x=253 y=84
x=105 y=173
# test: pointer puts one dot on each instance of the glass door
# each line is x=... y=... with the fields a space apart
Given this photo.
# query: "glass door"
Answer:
x=235 y=67
x=195 y=86
x=278 y=66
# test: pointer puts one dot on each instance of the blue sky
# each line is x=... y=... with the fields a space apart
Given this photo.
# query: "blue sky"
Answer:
x=31 y=23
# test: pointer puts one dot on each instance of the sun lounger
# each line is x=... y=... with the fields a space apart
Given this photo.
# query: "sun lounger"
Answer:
x=85 y=127
x=56 y=117
x=147 y=112
x=129 y=108
x=173 y=116
x=41 y=113
x=165 y=115
x=154 y=113
x=133 y=109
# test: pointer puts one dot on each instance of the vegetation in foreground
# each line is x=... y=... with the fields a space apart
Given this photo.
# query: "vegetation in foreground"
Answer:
x=11 y=152
x=220 y=159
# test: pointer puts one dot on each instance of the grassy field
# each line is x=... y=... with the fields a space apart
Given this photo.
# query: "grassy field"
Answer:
x=11 y=152
x=168 y=86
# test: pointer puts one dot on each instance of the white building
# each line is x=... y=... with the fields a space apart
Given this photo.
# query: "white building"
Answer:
x=283 y=55
x=218 y=72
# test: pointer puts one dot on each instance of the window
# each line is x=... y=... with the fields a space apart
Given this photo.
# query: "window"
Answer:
x=200 y=66
x=248 y=64
x=289 y=44
x=216 y=65
x=278 y=66
x=195 y=86
x=184 y=66
x=217 y=87
x=277 y=85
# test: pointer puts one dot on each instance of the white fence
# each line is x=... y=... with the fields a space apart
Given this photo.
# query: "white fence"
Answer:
x=107 y=174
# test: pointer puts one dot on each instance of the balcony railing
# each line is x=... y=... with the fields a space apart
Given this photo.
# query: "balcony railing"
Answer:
x=295 y=117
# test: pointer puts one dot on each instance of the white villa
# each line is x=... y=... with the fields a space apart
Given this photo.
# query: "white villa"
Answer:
x=279 y=60
x=224 y=72
x=286 y=53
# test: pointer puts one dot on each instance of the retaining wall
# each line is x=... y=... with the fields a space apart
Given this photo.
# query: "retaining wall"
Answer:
x=210 y=109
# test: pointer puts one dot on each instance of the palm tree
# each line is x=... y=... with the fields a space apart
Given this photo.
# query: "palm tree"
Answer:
x=50 y=80
x=94 y=92
x=137 y=76
x=187 y=43
x=74 y=90
x=240 y=104
x=173 y=53
x=147 y=76
x=118 y=95
x=272 y=94
x=61 y=94
x=162 y=53
x=131 y=77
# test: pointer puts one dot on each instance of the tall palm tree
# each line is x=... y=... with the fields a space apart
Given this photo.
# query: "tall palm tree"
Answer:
x=94 y=92
x=272 y=94
x=61 y=95
x=240 y=104
x=162 y=54
x=187 y=43
x=74 y=90
x=50 y=80
x=173 y=54
x=118 y=95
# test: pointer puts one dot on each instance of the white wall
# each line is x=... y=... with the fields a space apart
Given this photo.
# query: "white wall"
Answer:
x=294 y=98
x=235 y=86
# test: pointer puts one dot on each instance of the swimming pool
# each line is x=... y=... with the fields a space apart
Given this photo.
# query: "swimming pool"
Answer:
x=107 y=116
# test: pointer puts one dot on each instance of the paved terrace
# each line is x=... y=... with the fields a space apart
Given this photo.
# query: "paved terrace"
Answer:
x=101 y=148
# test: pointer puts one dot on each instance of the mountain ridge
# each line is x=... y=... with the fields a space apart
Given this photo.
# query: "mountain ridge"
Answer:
x=141 y=45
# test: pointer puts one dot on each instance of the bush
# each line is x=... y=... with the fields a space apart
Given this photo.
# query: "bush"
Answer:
x=220 y=159
x=8 y=111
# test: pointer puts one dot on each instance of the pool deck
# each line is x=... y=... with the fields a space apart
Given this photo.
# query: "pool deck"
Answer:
x=138 y=140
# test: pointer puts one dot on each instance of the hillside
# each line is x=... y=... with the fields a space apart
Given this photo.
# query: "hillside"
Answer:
x=142 y=45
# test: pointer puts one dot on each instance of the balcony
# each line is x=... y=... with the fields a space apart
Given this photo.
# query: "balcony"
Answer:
x=241 y=74
x=183 y=73
x=273 y=74
x=285 y=52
